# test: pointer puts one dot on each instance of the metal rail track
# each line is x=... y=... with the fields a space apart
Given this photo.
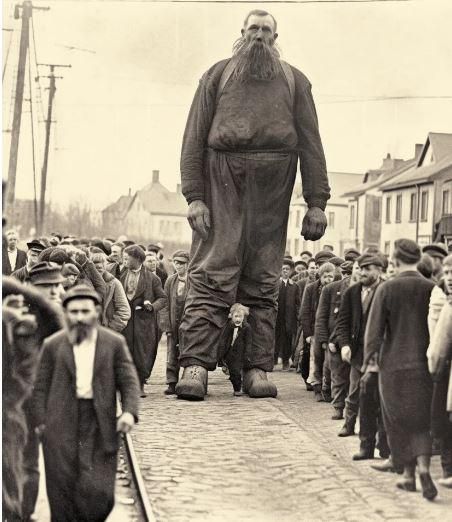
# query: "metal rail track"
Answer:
x=134 y=467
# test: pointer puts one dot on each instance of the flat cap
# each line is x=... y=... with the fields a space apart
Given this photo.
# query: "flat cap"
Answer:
x=46 y=273
x=407 y=251
x=370 y=259
x=337 y=261
x=182 y=256
x=351 y=254
x=347 y=267
x=35 y=245
x=301 y=262
x=153 y=247
x=288 y=261
x=81 y=292
x=435 y=250
x=323 y=256
x=70 y=269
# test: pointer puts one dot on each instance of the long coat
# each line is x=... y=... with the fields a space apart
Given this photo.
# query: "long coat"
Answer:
x=311 y=296
x=20 y=261
x=141 y=331
x=397 y=330
x=292 y=307
x=328 y=310
x=56 y=406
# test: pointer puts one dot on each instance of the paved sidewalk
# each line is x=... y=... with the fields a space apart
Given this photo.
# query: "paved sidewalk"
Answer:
x=240 y=459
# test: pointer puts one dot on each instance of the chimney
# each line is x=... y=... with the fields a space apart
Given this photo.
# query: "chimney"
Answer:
x=387 y=162
x=418 y=149
x=130 y=192
x=155 y=176
x=179 y=188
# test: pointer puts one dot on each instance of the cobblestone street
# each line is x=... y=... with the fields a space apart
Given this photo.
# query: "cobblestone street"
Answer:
x=234 y=458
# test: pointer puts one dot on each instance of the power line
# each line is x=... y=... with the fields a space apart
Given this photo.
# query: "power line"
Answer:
x=38 y=78
x=7 y=53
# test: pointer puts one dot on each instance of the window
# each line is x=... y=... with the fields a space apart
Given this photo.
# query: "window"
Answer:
x=413 y=206
x=352 y=216
x=297 y=245
x=331 y=219
x=289 y=246
x=298 y=219
x=446 y=201
x=376 y=209
x=398 y=209
x=424 y=205
x=387 y=247
x=388 y=209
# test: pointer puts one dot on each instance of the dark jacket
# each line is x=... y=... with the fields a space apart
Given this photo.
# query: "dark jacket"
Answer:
x=22 y=274
x=352 y=320
x=397 y=326
x=20 y=261
x=55 y=399
x=313 y=167
x=168 y=320
x=288 y=313
x=91 y=277
x=242 y=345
x=328 y=310
x=309 y=305
x=116 y=309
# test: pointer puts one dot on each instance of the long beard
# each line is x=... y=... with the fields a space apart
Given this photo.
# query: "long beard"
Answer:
x=256 y=60
x=79 y=332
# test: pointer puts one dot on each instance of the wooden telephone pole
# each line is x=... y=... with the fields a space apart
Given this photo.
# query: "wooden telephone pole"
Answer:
x=52 y=90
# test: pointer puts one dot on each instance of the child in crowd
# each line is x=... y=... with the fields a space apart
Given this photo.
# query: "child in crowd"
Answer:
x=235 y=343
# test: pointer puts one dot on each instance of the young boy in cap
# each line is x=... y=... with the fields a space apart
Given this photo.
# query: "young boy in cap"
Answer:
x=235 y=344
x=171 y=316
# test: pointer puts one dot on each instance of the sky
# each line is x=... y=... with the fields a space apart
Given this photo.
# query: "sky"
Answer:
x=121 y=108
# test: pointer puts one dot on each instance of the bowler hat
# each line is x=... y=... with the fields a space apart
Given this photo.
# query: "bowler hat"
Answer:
x=323 y=256
x=370 y=259
x=407 y=251
x=435 y=250
x=44 y=273
x=337 y=261
x=351 y=254
x=81 y=292
x=35 y=245
x=182 y=256
x=288 y=261
x=300 y=262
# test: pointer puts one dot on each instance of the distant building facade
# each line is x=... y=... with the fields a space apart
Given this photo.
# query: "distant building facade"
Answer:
x=417 y=204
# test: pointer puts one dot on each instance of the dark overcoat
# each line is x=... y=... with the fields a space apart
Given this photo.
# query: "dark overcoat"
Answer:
x=141 y=332
x=242 y=345
x=328 y=310
x=292 y=307
x=311 y=296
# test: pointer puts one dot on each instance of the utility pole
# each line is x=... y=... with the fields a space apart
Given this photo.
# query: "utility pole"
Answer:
x=52 y=90
x=27 y=10
x=15 y=133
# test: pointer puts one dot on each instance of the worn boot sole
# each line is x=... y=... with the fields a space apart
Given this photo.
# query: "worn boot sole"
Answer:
x=189 y=393
x=257 y=386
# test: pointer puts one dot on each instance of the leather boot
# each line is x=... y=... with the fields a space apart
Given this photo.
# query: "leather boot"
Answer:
x=429 y=490
x=347 y=430
x=338 y=414
x=193 y=385
x=407 y=484
x=318 y=397
x=386 y=465
x=364 y=454
x=171 y=390
x=326 y=394
x=256 y=384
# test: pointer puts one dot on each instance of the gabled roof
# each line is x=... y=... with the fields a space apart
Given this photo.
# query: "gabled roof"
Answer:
x=157 y=199
x=424 y=171
x=121 y=206
x=385 y=175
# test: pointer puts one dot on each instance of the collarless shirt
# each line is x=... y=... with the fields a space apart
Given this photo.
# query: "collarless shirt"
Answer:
x=132 y=282
x=84 y=354
x=12 y=256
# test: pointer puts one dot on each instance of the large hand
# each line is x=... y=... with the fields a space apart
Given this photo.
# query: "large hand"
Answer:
x=314 y=224
x=125 y=422
x=199 y=218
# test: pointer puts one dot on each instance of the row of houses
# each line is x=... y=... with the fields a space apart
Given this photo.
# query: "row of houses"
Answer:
x=402 y=198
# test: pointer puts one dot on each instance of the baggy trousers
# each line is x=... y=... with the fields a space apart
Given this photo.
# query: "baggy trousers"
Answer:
x=80 y=480
x=172 y=360
x=322 y=373
x=248 y=195
x=283 y=343
x=340 y=378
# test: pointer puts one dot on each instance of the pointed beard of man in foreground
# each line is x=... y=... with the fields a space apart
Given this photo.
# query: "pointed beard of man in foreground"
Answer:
x=81 y=329
x=256 y=58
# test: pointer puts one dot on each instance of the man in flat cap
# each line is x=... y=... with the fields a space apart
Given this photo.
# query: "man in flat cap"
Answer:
x=350 y=329
x=437 y=252
x=397 y=332
x=81 y=370
x=35 y=247
x=176 y=292
x=239 y=161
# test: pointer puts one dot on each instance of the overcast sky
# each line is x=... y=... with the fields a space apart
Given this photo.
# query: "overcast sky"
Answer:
x=121 y=109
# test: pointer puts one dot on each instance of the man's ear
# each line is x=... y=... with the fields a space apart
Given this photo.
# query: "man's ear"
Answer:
x=243 y=32
x=275 y=36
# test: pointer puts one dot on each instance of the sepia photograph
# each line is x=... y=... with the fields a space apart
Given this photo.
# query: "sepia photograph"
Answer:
x=226 y=260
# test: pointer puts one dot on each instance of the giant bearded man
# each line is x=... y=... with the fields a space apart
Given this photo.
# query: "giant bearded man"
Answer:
x=252 y=118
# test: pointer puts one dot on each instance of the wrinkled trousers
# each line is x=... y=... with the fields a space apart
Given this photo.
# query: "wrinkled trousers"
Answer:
x=248 y=195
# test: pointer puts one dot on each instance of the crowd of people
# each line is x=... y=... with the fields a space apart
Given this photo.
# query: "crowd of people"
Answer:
x=368 y=334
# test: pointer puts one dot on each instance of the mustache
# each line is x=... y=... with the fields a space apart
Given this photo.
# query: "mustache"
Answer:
x=256 y=59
